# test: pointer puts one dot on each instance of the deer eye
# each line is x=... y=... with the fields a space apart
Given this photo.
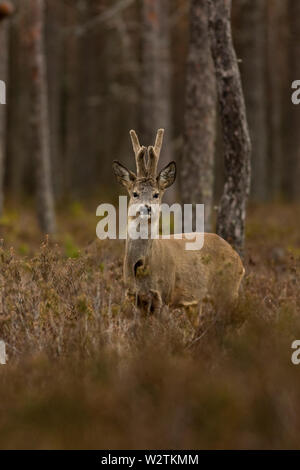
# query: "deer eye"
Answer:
x=135 y=194
x=155 y=195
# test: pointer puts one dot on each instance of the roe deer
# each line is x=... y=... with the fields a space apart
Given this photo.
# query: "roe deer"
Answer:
x=161 y=271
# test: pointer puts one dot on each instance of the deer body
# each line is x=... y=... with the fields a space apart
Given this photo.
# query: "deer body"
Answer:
x=161 y=271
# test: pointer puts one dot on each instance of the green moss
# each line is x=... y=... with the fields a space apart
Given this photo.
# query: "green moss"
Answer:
x=101 y=267
x=71 y=250
x=294 y=251
x=23 y=249
x=77 y=209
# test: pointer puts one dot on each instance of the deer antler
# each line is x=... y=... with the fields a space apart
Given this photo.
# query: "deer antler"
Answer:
x=140 y=153
x=154 y=153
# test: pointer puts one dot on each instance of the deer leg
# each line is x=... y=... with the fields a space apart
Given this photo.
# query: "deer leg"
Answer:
x=191 y=310
x=198 y=320
x=156 y=302
x=143 y=303
x=130 y=296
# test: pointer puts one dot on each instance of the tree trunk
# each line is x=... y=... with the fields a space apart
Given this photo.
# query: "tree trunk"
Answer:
x=237 y=146
x=292 y=166
x=155 y=111
x=40 y=117
x=277 y=63
x=6 y=9
x=3 y=109
x=251 y=48
x=54 y=47
x=197 y=165
x=91 y=117
x=71 y=108
x=19 y=162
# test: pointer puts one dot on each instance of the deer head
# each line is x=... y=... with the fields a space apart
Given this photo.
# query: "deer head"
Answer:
x=146 y=188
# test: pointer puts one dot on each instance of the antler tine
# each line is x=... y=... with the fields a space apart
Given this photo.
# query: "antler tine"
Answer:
x=154 y=153
x=135 y=142
x=159 y=141
x=140 y=162
x=140 y=154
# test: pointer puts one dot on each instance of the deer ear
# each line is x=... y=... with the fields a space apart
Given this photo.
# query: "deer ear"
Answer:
x=124 y=176
x=167 y=176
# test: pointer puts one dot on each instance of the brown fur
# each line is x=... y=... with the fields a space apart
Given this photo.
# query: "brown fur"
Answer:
x=176 y=277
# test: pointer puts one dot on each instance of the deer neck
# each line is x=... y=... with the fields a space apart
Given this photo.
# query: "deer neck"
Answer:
x=137 y=256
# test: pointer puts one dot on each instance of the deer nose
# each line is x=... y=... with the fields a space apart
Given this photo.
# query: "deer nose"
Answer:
x=148 y=209
x=145 y=210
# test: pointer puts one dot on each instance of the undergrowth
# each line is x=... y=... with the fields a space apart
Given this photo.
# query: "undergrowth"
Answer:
x=85 y=370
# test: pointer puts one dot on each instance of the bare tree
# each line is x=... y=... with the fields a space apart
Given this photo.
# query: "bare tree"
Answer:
x=6 y=9
x=54 y=45
x=71 y=66
x=292 y=164
x=251 y=47
x=237 y=146
x=277 y=76
x=155 y=110
x=40 y=117
x=19 y=165
x=197 y=169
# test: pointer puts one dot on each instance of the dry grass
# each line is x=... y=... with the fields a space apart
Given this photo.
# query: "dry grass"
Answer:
x=85 y=371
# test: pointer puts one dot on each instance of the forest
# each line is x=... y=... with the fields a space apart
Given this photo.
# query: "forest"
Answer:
x=85 y=368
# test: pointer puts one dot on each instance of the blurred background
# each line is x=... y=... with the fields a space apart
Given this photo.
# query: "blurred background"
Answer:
x=113 y=65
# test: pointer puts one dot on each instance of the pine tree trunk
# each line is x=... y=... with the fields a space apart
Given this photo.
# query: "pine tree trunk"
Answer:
x=6 y=9
x=251 y=47
x=197 y=165
x=3 y=107
x=40 y=118
x=277 y=63
x=292 y=165
x=155 y=111
x=19 y=154
x=90 y=77
x=54 y=47
x=71 y=108
x=237 y=146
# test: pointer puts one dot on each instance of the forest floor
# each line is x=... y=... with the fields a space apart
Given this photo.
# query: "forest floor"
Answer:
x=85 y=372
